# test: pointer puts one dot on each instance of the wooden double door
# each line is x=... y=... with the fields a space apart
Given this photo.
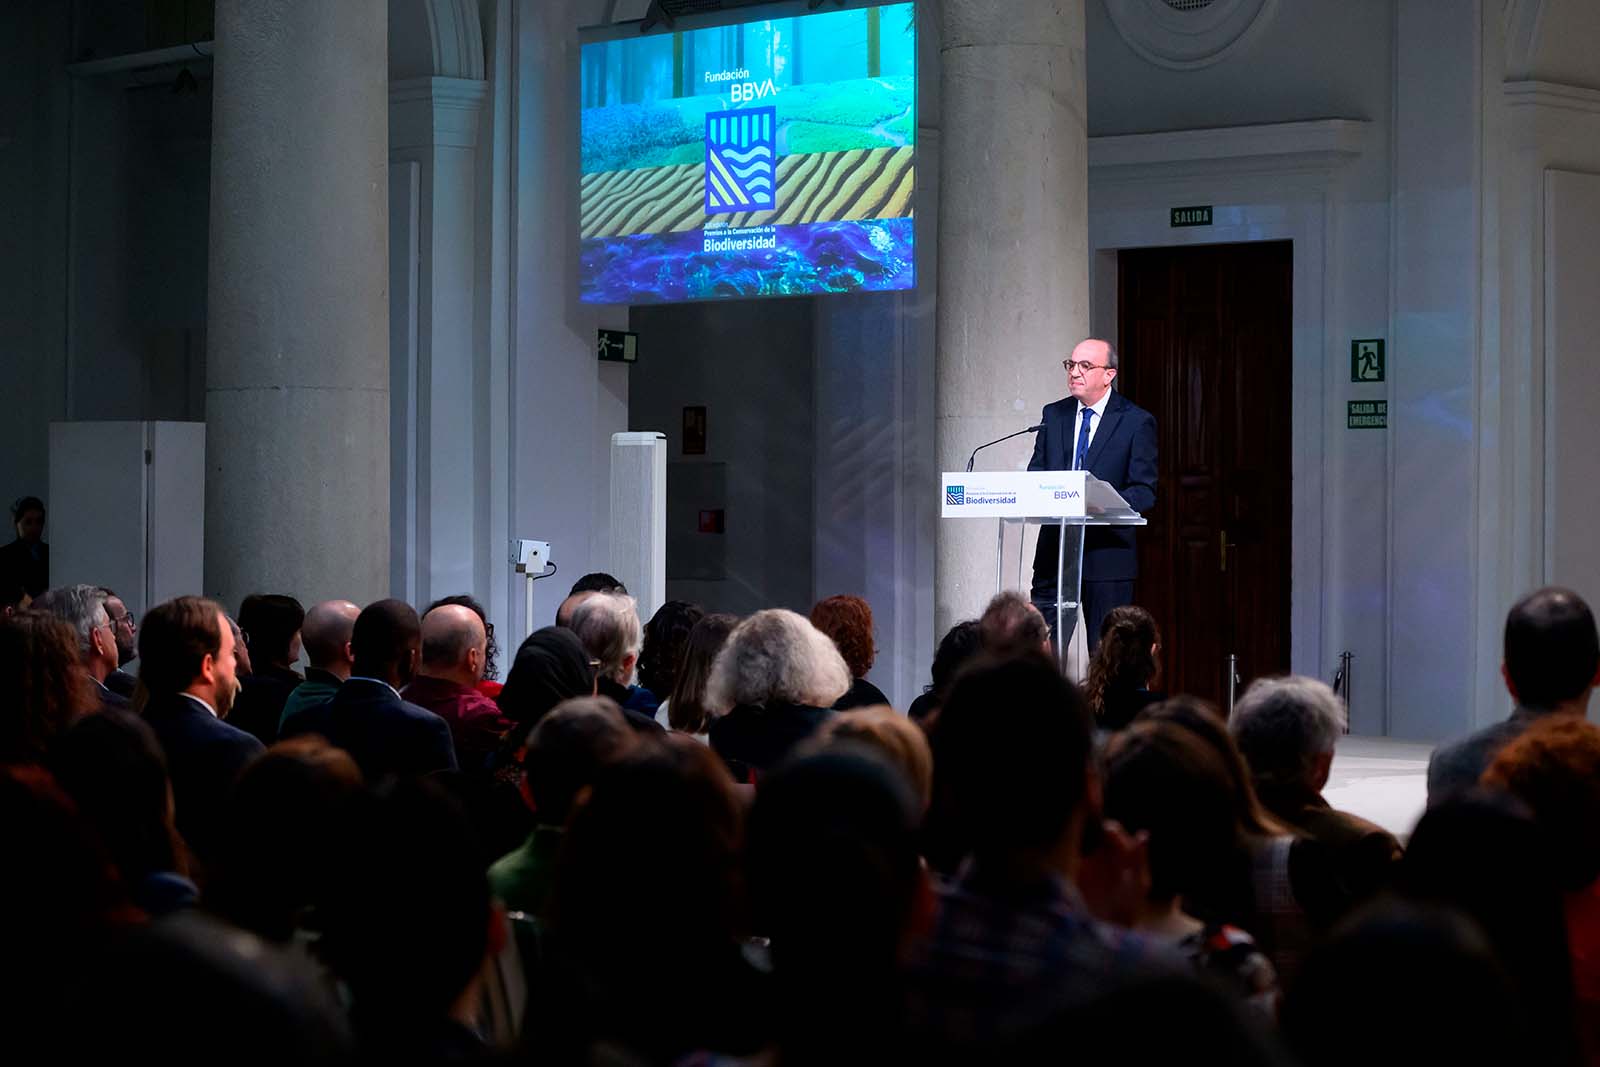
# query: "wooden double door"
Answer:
x=1205 y=341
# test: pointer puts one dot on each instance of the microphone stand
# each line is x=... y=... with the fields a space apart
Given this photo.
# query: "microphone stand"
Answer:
x=973 y=458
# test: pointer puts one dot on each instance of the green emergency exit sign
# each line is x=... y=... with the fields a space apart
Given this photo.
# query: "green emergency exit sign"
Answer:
x=1368 y=415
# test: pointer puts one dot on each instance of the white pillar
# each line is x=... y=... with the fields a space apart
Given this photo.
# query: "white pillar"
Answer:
x=297 y=379
x=1013 y=248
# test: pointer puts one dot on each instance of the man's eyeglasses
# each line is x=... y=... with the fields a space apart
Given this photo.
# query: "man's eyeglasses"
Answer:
x=1082 y=366
x=126 y=617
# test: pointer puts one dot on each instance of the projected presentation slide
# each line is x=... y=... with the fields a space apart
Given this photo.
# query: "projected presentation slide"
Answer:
x=770 y=158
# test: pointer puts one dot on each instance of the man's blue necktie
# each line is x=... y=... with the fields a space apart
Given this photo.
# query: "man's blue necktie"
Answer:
x=1083 y=439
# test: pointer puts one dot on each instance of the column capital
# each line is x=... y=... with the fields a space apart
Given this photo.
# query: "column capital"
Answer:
x=435 y=112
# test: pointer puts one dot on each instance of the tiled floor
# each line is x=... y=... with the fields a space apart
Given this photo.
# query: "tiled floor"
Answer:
x=1382 y=780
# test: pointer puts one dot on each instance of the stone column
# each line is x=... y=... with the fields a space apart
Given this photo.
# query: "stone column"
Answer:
x=297 y=367
x=1013 y=249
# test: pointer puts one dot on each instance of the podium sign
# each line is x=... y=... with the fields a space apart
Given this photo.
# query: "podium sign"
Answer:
x=1014 y=494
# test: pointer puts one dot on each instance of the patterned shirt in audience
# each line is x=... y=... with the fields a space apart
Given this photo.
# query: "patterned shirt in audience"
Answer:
x=1003 y=959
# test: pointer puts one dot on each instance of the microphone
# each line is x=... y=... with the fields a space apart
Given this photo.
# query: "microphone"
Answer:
x=973 y=458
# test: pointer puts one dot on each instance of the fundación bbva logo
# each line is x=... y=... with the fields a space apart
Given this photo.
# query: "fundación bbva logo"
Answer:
x=955 y=494
x=741 y=160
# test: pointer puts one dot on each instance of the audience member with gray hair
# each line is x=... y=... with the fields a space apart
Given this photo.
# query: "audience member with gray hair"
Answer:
x=776 y=678
x=608 y=625
x=1287 y=729
x=83 y=607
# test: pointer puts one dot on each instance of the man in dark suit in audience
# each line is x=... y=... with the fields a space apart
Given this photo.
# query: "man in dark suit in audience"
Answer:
x=271 y=623
x=367 y=717
x=186 y=662
x=83 y=607
x=1551 y=665
x=125 y=626
x=1099 y=430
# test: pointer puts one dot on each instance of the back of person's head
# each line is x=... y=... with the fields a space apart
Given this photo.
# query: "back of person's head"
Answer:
x=688 y=712
x=1401 y=984
x=288 y=820
x=454 y=638
x=491 y=652
x=833 y=873
x=408 y=920
x=1206 y=723
x=567 y=749
x=326 y=632
x=665 y=637
x=550 y=666
x=1552 y=652
x=848 y=621
x=1554 y=769
x=82 y=607
x=1287 y=728
x=608 y=626
x=597 y=582
x=1011 y=626
x=43 y=687
x=1163 y=780
x=1011 y=758
x=386 y=640
x=1481 y=852
x=1126 y=660
x=272 y=622
x=958 y=647
x=777 y=656
x=894 y=737
x=174 y=640
x=13 y=595
x=665 y=818
x=112 y=766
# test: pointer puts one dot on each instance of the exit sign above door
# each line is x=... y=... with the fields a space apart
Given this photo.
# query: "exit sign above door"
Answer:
x=1199 y=215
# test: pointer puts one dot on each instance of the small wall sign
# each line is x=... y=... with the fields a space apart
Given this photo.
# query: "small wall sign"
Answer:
x=1198 y=215
x=1367 y=360
x=1367 y=415
x=618 y=346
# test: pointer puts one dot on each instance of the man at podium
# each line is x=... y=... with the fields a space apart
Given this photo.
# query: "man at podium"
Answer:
x=1098 y=430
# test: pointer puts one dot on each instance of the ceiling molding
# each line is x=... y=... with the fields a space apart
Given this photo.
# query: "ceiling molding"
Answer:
x=1314 y=145
x=1534 y=93
x=1189 y=40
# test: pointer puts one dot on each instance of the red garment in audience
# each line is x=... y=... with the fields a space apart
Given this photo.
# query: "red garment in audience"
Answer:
x=475 y=722
x=490 y=689
x=1583 y=943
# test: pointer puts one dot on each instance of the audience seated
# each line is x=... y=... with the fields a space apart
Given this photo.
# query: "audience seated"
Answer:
x=1126 y=664
x=956 y=649
x=848 y=621
x=1286 y=729
x=83 y=607
x=111 y=765
x=1551 y=664
x=551 y=666
x=582 y=589
x=120 y=681
x=893 y=737
x=1011 y=626
x=686 y=710
x=771 y=687
x=271 y=626
x=666 y=636
x=489 y=685
x=608 y=626
x=565 y=752
x=1164 y=782
x=42 y=686
x=454 y=651
x=1553 y=767
x=188 y=682
x=1480 y=852
x=1013 y=941
x=367 y=717
x=325 y=635
x=289 y=820
x=644 y=947
x=837 y=886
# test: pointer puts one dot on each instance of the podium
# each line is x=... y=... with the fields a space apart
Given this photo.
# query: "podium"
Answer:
x=1071 y=501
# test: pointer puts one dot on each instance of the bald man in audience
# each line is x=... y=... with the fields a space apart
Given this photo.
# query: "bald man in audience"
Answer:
x=454 y=651
x=325 y=635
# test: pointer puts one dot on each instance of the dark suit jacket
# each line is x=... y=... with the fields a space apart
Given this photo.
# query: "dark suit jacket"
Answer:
x=753 y=739
x=122 y=683
x=109 y=698
x=204 y=756
x=1123 y=453
x=259 y=706
x=1457 y=765
x=383 y=734
x=18 y=564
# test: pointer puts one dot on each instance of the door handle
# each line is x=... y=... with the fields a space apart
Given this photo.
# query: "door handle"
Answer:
x=1224 y=563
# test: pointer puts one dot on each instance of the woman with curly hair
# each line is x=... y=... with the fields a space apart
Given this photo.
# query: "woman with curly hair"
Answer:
x=45 y=686
x=1125 y=668
x=848 y=620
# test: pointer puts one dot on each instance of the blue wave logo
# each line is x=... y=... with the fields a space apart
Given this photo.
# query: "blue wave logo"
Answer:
x=955 y=495
x=741 y=160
